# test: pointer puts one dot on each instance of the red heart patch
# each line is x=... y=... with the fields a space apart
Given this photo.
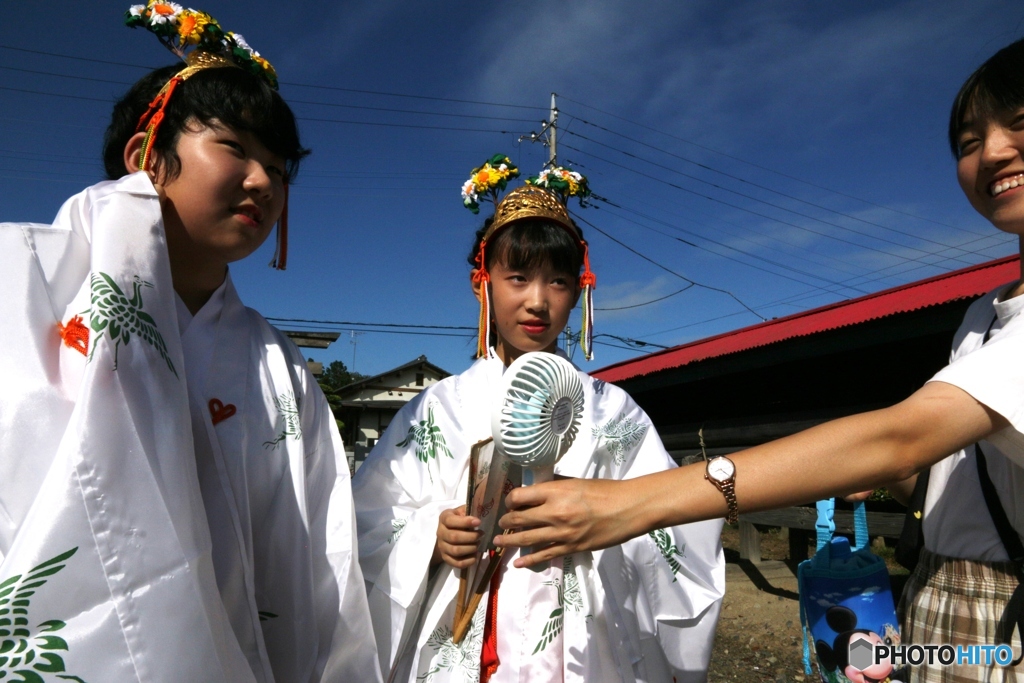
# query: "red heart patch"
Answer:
x=219 y=411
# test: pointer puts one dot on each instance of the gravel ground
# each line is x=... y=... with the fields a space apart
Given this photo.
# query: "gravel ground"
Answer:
x=759 y=639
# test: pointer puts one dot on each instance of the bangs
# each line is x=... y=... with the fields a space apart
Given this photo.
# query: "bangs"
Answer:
x=527 y=245
x=237 y=100
x=996 y=88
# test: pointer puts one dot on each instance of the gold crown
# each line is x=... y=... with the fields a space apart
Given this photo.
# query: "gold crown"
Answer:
x=199 y=60
x=530 y=201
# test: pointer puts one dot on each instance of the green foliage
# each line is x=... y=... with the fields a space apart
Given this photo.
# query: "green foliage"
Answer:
x=337 y=375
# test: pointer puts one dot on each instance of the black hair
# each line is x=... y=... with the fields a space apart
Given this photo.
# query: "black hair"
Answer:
x=232 y=97
x=996 y=87
x=530 y=243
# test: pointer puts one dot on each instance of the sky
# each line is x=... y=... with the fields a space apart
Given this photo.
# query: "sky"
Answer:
x=752 y=159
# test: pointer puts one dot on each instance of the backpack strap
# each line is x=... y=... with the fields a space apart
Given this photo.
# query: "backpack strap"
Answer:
x=908 y=550
x=825 y=526
x=861 y=539
x=1013 y=616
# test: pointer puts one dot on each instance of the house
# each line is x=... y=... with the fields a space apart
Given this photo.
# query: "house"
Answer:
x=370 y=403
x=769 y=380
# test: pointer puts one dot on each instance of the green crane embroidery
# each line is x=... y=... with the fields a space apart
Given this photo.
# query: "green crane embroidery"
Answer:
x=463 y=657
x=569 y=596
x=620 y=436
x=23 y=653
x=288 y=414
x=397 y=527
x=668 y=550
x=122 y=317
x=429 y=440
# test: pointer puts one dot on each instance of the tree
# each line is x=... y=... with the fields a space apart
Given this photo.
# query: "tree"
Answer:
x=336 y=375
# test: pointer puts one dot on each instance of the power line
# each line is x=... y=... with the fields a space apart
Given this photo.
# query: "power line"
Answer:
x=751 y=197
x=459 y=129
x=765 y=168
x=105 y=100
x=755 y=213
x=732 y=248
x=647 y=303
x=576 y=216
x=290 y=83
x=745 y=182
x=290 y=100
x=362 y=324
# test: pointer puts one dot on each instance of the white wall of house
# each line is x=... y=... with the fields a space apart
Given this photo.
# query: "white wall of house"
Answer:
x=401 y=385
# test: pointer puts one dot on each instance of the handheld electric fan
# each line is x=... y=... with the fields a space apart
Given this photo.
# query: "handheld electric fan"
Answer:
x=537 y=414
x=535 y=419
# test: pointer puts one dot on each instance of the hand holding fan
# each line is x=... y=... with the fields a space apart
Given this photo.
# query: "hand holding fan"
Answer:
x=535 y=420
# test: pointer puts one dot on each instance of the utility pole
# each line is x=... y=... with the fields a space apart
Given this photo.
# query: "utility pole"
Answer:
x=548 y=135
x=553 y=133
x=354 y=341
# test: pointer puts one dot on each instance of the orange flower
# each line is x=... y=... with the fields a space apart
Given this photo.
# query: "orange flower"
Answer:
x=186 y=25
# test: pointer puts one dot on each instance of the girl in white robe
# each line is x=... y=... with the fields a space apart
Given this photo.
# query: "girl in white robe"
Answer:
x=642 y=611
x=174 y=495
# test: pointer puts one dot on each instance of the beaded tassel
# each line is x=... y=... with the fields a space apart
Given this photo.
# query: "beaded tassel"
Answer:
x=587 y=335
x=587 y=281
x=482 y=278
x=156 y=109
x=484 y=325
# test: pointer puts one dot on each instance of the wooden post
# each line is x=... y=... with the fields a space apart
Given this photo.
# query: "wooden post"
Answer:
x=750 y=542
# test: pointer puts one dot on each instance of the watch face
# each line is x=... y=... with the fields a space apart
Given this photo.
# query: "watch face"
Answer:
x=721 y=469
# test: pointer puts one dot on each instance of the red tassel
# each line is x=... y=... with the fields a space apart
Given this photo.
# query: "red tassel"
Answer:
x=158 y=105
x=489 y=660
x=281 y=251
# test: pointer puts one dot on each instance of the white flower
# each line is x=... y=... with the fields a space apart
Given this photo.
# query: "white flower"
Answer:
x=136 y=10
x=240 y=41
x=163 y=12
x=503 y=167
x=468 y=195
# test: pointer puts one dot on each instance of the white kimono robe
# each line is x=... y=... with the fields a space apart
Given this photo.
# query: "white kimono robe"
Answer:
x=120 y=462
x=642 y=611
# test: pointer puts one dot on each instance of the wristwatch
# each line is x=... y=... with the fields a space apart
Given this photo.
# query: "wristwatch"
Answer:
x=721 y=471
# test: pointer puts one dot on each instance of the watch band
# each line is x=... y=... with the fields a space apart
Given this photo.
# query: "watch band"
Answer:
x=728 y=489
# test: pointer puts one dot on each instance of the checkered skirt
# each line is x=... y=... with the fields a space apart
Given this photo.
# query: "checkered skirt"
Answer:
x=949 y=600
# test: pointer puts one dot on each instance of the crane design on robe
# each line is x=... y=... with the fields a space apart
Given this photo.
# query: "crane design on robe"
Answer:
x=30 y=653
x=123 y=317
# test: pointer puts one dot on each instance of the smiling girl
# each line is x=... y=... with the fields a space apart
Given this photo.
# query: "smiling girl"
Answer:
x=973 y=409
x=642 y=611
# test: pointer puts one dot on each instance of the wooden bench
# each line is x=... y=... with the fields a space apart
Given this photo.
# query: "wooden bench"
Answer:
x=800 y=522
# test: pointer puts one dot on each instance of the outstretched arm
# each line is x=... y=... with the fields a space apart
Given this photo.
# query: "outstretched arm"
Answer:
x=836 y=458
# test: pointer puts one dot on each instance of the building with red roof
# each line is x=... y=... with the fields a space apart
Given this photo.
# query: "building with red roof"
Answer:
x=768 y=380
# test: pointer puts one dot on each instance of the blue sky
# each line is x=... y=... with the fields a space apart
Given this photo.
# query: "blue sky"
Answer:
x=791 y=154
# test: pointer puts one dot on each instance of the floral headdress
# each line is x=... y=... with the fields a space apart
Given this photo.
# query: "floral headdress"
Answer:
x=198 y=39
x=544 y=196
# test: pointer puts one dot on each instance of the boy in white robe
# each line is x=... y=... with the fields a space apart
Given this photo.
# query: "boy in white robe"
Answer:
x=642 y=611
x=174 y=496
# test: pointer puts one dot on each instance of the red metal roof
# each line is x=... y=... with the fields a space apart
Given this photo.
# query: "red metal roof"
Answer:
x=959 y=284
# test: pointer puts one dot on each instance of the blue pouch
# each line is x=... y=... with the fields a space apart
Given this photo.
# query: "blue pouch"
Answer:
x=845 y=598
